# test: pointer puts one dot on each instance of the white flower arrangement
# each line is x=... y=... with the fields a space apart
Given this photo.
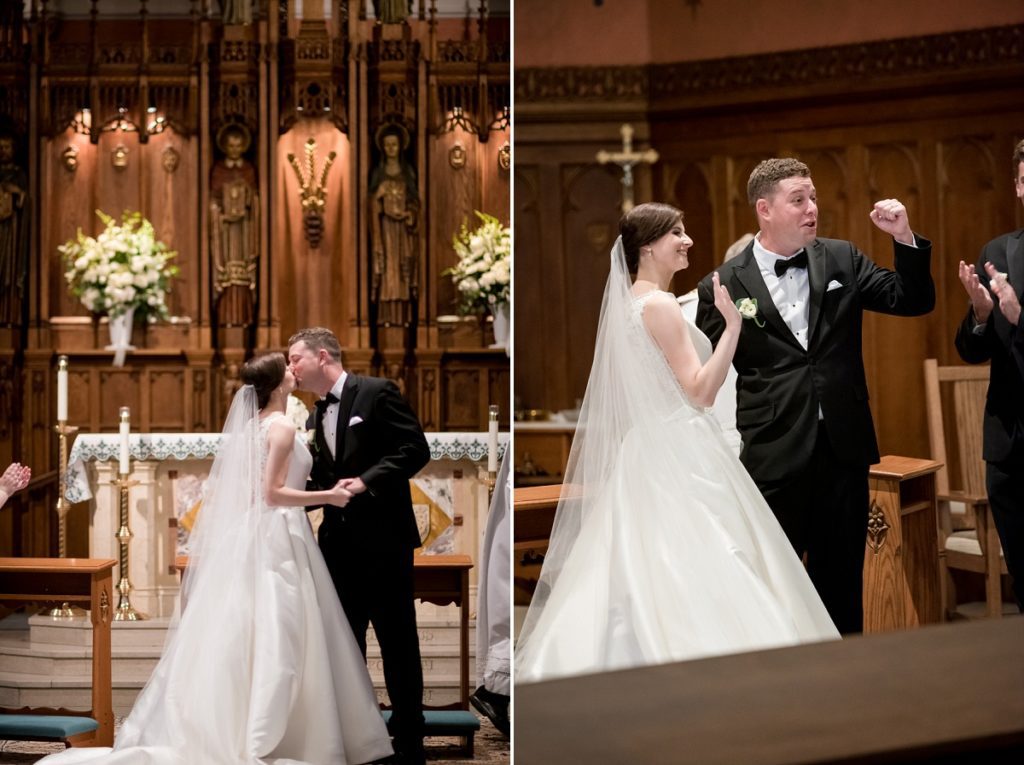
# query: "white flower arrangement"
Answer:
x=298 y=414
x=125 y=267
x=484 y=271
x=748 y=310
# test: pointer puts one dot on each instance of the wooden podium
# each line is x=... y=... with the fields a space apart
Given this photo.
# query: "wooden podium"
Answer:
x=901 y=553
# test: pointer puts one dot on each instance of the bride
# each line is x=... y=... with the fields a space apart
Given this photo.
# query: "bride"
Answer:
x=662 y=548
x=260 y=666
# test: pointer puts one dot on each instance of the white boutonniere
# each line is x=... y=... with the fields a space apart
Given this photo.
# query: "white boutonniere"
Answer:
x=748 y=310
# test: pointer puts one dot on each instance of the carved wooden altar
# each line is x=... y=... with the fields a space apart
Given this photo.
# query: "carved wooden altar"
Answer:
x=189 y=117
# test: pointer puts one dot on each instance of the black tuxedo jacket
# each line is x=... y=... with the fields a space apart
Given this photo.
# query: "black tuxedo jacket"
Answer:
x=779 y=385
x=379 y=440
x=1003 y=344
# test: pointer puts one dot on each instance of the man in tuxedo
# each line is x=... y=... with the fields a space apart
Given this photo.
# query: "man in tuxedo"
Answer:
x=992 y=331
x=367 y=436
x=802 y=399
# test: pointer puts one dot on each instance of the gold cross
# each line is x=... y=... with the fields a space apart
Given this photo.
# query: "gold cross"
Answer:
x=627 y=159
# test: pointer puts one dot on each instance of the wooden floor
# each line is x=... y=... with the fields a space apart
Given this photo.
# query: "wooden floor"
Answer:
x=933 y=694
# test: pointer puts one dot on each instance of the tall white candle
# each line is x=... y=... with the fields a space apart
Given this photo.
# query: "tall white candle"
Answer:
x=492 y=439
x=62 y=389
x=126 y=429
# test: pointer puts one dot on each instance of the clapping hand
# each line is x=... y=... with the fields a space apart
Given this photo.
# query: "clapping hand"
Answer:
x=15 y=478
x=1009 y=305
x=725 y=305
x=890 y=216
x=981 y=299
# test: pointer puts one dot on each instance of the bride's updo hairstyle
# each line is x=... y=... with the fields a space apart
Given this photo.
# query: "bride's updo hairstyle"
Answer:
x=644 y=224
x=264 y=373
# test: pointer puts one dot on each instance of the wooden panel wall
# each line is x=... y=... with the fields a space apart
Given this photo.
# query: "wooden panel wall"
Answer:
x=939 y=139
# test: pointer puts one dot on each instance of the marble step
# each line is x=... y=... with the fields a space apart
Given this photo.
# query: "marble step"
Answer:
x=151 y=632
x=35 y=691
x=18 y=656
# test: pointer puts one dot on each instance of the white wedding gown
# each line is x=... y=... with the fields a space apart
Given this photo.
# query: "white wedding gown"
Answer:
x=264 y=672
x=678 y=558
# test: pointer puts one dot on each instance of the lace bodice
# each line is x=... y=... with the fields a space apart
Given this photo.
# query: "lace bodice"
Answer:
x=650 y=347
x=301 y=461
x=700 y=340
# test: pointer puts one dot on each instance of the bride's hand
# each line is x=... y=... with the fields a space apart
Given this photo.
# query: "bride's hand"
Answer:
x=339 y=495
x=725 y=305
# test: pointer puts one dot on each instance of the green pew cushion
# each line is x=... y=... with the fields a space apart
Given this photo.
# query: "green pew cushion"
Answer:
x=45 y=726
x=438 y=722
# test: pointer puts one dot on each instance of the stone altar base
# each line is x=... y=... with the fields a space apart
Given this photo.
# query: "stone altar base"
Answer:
x=46 y=663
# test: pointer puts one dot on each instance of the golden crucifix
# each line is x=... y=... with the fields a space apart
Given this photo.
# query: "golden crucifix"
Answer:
x=627 y=159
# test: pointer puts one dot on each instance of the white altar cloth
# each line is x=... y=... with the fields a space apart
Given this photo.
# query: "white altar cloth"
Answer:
x=104 y=447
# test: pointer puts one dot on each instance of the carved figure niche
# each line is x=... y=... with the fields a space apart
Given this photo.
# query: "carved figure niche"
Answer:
x=234 y=227
x=394 y=228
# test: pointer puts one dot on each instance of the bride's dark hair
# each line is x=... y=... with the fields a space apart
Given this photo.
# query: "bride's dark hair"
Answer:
x=264 y=373
x=644 y=224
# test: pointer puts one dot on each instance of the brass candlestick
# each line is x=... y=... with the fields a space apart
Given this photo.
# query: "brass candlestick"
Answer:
x=125 y=611
x=63 y=506
x=492 y=446
x=63 y=611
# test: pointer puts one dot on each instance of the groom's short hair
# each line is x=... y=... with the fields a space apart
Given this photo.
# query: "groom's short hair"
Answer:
x=318 y=339
x=766 y=176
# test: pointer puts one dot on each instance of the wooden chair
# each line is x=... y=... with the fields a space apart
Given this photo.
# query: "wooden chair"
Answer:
x=955 y=403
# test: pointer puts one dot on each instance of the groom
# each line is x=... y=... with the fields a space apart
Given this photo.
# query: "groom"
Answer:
x=367 y=436
x=801 y=393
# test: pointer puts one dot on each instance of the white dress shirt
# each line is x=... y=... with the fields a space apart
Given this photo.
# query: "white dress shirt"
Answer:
x=331 y=415
x=791 y=292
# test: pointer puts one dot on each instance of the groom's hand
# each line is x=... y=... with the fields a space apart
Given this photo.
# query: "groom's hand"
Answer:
x=891 y=217
x=353 y=485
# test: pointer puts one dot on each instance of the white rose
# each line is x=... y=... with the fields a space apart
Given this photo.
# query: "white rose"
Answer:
x=747 y=308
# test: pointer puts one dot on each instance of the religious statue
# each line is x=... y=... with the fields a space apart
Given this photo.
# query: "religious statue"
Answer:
x=394 y=229
x=234 y=228
x=13 y=230
x=236 y=11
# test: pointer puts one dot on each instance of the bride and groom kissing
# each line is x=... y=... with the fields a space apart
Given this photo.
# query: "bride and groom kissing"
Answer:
x=265 y=658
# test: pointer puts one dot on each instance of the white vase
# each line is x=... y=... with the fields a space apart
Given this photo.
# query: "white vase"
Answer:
x=502 y=325
x=121 y=336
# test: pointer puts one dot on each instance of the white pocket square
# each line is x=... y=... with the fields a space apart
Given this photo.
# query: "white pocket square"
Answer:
x=833 y=285
x=355 y=420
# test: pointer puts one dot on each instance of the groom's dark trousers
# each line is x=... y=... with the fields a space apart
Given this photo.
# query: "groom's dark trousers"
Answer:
x=803 y=414
x=369 y=543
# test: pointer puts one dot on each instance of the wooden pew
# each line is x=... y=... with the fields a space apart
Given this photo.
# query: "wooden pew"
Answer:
x=950 y=693
x=87 y=582
x=533 y=513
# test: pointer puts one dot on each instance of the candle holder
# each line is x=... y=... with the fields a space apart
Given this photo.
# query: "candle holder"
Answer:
x=64 y=610
x=63 y=506
x=125 y=611
x=492 y=451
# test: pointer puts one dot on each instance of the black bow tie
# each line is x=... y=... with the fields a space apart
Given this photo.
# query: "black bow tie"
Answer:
x=325 y=402
x=797 y=261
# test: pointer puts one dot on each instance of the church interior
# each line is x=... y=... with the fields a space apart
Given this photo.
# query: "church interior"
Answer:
x=920 y=101
x=272 y=165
